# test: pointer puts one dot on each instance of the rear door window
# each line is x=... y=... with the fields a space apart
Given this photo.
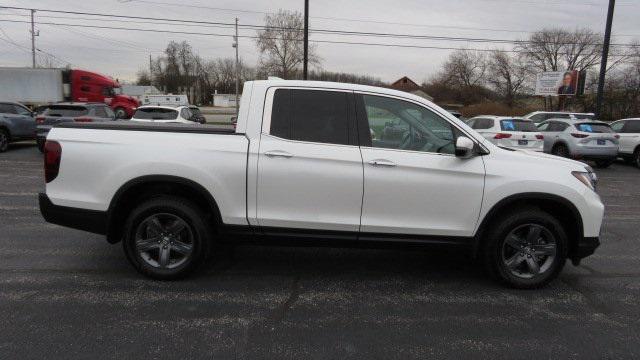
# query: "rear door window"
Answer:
x=66 y=111
x=156 y=114
x=311 y=115
x=482 y=123
x=517 y=125
x=594 y=128
x=632 y=126
x=7 y=109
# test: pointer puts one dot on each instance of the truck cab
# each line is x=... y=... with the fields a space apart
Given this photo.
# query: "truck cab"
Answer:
x=92 y=87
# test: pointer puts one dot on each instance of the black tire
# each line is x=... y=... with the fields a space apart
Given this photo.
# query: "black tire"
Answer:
x=40 y=144
x=4 y=140
x=200 y=236
x=496 y=242
x=560 y=150
x=604 y=163
x=120 y=113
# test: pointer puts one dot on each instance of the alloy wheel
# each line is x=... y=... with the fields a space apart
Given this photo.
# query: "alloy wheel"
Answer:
x=529 y=250
x=164 y=241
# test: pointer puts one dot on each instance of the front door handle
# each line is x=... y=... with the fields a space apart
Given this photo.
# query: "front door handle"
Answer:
x=381 y=162
x=278 y=153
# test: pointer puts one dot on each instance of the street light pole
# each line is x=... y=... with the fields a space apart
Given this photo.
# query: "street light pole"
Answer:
x=33 y=41
x=306 y=40
x=235 y=45
x=605 y=55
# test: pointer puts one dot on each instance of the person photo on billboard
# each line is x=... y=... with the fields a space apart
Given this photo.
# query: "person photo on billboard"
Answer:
x=568 y=84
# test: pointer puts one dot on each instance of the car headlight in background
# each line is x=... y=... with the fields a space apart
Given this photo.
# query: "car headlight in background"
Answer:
x=588 y=177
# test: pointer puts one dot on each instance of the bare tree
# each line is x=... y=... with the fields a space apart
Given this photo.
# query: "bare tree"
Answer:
x=464 y=68
x=281 y=44
x=559 y=49
x=507 y=75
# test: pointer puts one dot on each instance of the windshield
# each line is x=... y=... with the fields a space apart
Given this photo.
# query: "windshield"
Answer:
x=594 y=128
x=66 y=111
x=518 y=125
x=156 y=114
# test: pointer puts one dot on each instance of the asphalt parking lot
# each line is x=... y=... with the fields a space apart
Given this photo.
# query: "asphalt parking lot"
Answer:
x=68 y=294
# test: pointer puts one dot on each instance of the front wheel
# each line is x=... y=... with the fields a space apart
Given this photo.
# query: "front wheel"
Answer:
x=121 y=113
x=525 y=249
x=4 y=140
x=167 y=238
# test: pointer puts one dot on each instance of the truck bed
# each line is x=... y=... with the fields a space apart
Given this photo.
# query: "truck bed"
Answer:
x=156 y=127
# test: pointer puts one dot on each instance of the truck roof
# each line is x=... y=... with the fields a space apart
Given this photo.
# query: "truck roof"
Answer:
x=307 y=84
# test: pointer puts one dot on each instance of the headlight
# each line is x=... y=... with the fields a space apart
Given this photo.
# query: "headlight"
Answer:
x=588 y=177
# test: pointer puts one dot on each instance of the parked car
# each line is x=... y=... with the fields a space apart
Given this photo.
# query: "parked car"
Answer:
x=580 y=139
x=540 y=116
x=197 y=115
x=164 y=114
x=70 y=112
x=508 y=131
x=16 y=124
x=302 y=165
x=629 y=146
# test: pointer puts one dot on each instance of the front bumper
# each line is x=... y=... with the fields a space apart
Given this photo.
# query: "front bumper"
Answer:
x=75 y=218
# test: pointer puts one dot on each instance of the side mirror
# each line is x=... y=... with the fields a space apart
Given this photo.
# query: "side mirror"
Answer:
x=464 y=147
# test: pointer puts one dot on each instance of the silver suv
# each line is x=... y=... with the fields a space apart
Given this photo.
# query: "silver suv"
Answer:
x=580 y=139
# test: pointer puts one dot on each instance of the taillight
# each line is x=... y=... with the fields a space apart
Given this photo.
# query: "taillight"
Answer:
x=40 y=120
x=83 y=119
x=579 y=136
x=52 y=156
x=502 y=136
x=540 y=137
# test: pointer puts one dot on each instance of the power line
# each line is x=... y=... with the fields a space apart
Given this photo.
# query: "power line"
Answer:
x=251 y=26
x=255 y=37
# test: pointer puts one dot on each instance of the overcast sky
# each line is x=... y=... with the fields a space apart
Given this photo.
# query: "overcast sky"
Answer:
x=121 y=54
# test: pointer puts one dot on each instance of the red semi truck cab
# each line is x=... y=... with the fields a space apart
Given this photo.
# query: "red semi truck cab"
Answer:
x=86 y=86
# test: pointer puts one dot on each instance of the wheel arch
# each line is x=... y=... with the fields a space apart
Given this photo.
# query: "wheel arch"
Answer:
x=555 y=205
x=144 y=187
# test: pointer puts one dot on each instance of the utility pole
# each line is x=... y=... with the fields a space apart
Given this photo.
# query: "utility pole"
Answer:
x=235 y=45
x=305 y=64
x=605 y=55
x=33 y=40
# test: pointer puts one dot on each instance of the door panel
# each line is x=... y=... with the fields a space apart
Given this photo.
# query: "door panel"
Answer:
x=308 y=185
x=424 y=193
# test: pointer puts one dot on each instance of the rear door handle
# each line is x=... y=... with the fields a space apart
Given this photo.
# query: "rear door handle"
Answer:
x=385 y=163
x=278 y=153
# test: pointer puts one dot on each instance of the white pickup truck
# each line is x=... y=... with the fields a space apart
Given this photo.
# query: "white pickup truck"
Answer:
x=327 y=162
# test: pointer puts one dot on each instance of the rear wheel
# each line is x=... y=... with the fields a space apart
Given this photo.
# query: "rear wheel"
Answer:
x=4 y=140
x=167 y=238
x=560 y=150
x=604 y=163
x=40 y=144
x=526 y=249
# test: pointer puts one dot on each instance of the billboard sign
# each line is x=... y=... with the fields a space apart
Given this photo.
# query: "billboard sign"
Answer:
x=557 y=83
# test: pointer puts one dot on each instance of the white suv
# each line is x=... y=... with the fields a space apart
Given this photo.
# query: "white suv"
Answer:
x=629 y=132
x=508 y=132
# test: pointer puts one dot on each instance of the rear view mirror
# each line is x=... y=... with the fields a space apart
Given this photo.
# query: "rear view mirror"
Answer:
x=464 y=147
